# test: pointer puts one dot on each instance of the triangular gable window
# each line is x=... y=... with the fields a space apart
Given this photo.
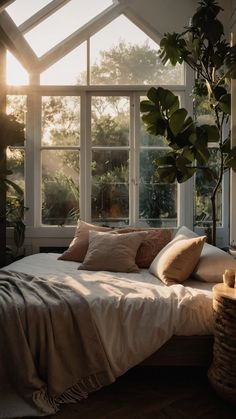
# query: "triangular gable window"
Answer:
x=15 y=72
x=21 y=10
x=70 y=70
x=122 y=54
x=63 y=23
x=117 y=57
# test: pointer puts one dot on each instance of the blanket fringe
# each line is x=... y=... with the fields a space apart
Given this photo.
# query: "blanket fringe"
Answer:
x=78 y=392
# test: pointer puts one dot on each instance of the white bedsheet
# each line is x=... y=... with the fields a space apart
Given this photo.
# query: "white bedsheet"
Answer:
x=135 y=313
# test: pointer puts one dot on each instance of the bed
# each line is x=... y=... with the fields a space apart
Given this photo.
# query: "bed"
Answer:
x=133 y=315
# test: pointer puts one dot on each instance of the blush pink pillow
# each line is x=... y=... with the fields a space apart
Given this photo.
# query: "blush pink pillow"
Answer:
x=153 y=243
x=79 y=245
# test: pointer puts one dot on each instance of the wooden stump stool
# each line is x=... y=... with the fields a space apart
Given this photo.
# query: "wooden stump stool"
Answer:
x=222 y=372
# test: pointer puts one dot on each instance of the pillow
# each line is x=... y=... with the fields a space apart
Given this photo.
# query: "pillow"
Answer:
x=213 y=261
x=112 y=252
x=152 y=244
x=79 y=245
x=177 y=260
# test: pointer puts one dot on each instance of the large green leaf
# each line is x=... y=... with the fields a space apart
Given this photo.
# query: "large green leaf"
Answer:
x=173 y=167
x=16 y=187
x=177 y=119
x=147 y=106
x=168 y=100
x=205 y=20
x=225 y=103
x=172 y=46
x=214 y=30
x=212 y=133
x=219 y=91
x=207 y=10
x=188 y=154
x=167 y=174
x=12 y=131
x=19 y=233
x=230 y=62
x=187 y=174
x=153 y=95
x=163 y=98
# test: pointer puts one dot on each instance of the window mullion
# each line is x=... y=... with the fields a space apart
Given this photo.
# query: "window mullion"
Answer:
x=86 y=156
x=33 y=161
x=135 y=124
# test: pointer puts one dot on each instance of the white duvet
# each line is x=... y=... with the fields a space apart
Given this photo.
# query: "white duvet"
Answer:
x=135 y=313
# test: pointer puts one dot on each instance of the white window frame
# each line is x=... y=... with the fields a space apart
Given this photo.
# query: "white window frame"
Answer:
x=45 y=235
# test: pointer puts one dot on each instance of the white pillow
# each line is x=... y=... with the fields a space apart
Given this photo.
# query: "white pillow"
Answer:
x=213 y=261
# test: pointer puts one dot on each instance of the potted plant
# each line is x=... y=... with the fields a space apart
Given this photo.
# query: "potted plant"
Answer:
x=203 y=47
x=11 y=133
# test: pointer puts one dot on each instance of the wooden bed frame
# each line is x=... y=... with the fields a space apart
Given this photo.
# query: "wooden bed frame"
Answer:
x=183 y=351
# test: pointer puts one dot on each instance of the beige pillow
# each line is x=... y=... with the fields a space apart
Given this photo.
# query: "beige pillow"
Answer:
x=213 y=261
x=152 y=244
x=79 y=245
x=177 y=260
x=112 y=252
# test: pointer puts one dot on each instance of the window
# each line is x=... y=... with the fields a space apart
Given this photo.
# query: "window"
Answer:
x=87 y=153
x=16 y=74
x=16 y=105
x=128 y=58
x=60 y=159
x=110 y=137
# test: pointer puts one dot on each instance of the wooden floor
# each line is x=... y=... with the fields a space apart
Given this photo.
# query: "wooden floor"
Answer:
x=153 y=393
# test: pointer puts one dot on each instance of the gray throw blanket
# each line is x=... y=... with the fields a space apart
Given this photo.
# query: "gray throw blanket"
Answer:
x=49 y=345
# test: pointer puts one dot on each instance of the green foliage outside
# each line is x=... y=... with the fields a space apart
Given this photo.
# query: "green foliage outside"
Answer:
x=126 y=64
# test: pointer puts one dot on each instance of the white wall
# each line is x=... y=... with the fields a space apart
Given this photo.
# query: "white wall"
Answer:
x=173 y=15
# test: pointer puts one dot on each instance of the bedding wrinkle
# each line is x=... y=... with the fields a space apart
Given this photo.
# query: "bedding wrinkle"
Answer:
x=127 y=317
x=74 y=359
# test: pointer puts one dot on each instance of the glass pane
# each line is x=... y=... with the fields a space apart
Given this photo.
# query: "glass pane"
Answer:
x=203 y=112
x=64 y=22
x=15 y=198
x=157 y=201
x=17 y=106
x=60 y=120
x=128 y=56
x=149 y=140
x=202 y=194
x=110 y=188
x=60 y=187
x=16 y=75
x=21 y=10
x=110 y=121
x=71 y=69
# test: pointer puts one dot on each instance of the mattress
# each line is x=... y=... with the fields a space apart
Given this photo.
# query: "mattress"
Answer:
x=135 y=313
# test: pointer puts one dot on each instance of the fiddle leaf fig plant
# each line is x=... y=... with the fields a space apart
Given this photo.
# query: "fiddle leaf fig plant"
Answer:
x=203 y=47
